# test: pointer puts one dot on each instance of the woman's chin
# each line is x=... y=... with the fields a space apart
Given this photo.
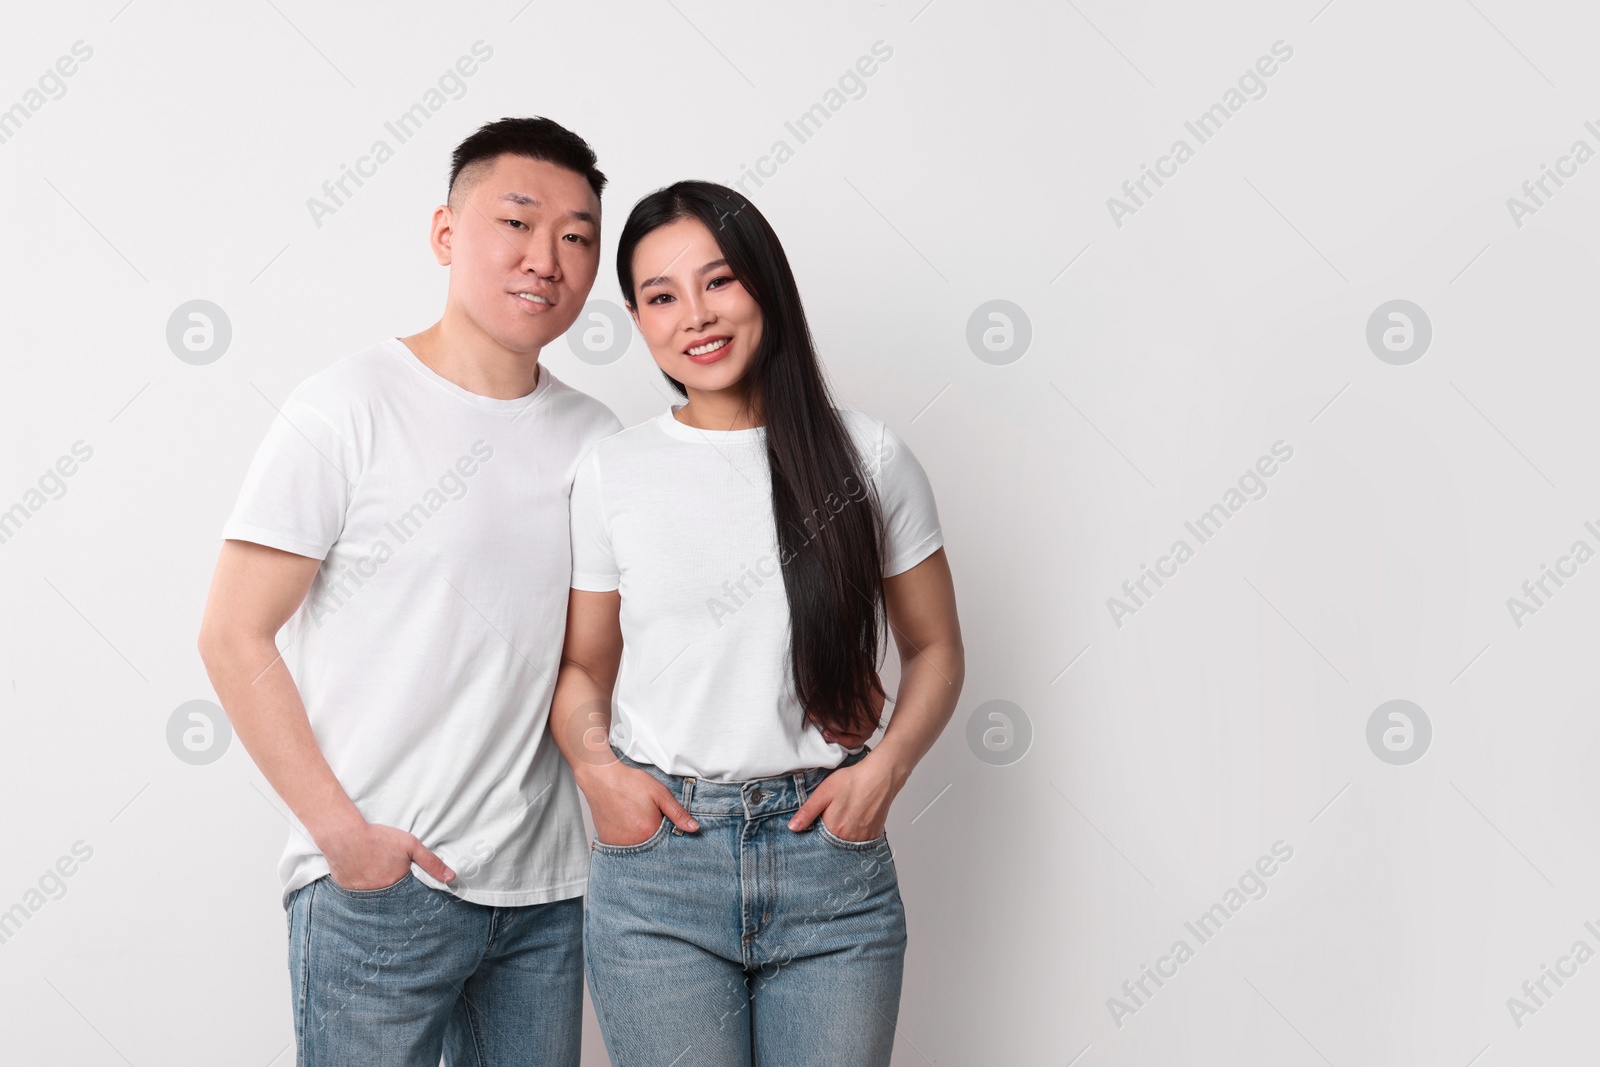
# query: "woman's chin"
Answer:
x=709 y=379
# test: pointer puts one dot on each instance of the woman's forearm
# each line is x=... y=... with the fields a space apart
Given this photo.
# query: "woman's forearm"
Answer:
x=580 y=718
x=930 y=686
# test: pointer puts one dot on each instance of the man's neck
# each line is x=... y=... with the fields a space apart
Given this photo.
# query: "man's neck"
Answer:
x=475 y=362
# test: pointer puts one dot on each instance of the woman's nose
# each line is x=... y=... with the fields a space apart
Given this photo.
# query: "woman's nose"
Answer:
x=697 y=313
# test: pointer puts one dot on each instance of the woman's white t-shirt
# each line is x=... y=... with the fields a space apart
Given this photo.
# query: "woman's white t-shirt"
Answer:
x=679 y=521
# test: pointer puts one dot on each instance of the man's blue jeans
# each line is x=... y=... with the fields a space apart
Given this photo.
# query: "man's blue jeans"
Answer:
x=397 y=976
x=745 y=942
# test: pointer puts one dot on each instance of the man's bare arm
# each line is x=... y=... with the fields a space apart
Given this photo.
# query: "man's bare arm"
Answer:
x=253 y=593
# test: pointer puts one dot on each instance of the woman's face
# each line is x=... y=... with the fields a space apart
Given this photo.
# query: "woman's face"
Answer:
x=701 y=324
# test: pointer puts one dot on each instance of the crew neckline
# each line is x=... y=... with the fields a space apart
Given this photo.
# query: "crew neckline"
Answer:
x=515 y=405
x=670 y=425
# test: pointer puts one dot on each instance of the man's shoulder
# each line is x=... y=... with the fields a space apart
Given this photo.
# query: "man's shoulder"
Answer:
x=593 y=415
x=351 y=381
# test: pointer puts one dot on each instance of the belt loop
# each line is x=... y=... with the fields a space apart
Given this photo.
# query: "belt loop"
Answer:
x=688 y=792
x=800 y=786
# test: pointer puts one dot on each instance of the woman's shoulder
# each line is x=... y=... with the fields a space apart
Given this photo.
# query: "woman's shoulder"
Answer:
x=636 y=438
x=866 y=430
x=632 y=447
x=874 y=439
x=859 y=421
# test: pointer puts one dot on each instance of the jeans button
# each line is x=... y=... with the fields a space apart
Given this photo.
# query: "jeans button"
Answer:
x=758 y=796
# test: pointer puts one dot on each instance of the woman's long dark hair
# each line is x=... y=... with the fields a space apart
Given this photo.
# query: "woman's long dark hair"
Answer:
x=829 y=552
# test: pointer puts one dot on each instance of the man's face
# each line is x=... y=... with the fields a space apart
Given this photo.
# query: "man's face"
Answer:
x=523 y=250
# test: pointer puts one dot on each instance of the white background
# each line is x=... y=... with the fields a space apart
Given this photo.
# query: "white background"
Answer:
x=1167 y=354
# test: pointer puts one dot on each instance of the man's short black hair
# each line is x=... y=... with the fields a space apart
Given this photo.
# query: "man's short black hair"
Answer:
x=533 y=138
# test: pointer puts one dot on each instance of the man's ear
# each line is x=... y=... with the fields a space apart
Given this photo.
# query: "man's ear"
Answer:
x=440 y=232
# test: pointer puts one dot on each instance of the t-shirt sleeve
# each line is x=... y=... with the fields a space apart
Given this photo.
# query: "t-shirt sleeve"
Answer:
x=910 y=517
x=594 y=565
x=299 y=485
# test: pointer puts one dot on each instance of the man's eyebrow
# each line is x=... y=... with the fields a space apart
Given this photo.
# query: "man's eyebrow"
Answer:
x=524 y=200
x=662 y=279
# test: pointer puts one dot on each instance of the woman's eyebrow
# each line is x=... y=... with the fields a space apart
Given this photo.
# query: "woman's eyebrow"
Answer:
x=662 y=279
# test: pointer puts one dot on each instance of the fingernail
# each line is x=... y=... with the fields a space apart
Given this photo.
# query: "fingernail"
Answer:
x=693 y=825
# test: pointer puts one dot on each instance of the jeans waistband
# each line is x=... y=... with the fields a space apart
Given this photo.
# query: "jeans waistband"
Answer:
x=751 y=798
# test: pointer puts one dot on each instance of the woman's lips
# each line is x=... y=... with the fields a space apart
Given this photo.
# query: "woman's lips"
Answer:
x=712 y=356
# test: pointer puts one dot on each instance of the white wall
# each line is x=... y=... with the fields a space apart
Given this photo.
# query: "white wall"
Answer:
x=1230 y=311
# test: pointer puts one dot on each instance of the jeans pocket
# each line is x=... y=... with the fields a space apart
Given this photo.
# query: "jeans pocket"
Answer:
x=361 y=894
x=643 y=846
x=855 y=846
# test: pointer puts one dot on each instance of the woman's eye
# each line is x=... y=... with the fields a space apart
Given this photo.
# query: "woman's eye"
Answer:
x=713 y=283
x=658 y=298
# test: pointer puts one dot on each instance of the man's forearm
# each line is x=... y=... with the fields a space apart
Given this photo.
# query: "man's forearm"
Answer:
x=264 y=706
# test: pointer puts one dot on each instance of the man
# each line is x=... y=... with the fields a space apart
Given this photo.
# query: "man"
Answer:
x=406 y=515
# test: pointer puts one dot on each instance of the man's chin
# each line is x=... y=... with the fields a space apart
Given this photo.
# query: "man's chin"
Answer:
x=532 y=337
x=547 y=329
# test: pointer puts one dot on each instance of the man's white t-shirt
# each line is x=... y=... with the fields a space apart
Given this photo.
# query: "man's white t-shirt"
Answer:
x=426 y=651
x=679 y=521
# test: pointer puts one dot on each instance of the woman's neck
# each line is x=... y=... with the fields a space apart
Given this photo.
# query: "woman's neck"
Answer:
x=721 y=410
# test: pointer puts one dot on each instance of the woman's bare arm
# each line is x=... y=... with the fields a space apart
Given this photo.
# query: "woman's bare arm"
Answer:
x=921 y=607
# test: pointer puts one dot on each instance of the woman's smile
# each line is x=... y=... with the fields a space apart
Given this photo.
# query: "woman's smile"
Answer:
x=709 y=350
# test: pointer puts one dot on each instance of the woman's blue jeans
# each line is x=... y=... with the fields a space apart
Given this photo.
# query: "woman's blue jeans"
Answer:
x=745 y=943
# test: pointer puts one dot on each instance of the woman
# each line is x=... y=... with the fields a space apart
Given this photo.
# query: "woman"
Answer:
x=734 y=560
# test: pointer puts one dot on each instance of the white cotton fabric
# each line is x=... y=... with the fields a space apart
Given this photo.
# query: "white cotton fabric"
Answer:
x=426 y=651
x=679 y=521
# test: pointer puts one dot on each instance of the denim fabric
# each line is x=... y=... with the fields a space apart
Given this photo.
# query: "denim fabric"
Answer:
x=397 y=976
x=745 y=943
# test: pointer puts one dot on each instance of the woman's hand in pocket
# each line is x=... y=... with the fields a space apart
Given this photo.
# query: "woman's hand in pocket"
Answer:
x=853 y=802
x=627 y=804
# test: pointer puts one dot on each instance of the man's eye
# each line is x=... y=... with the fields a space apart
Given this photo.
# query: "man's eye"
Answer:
x=515 y=222
x=580 y=238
